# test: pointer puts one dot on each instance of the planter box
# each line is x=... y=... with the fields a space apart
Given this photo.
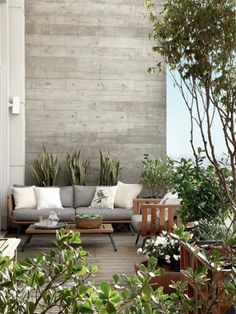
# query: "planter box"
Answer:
x=191 y=257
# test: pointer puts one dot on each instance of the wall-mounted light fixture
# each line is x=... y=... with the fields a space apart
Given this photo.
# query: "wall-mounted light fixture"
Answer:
x=14 y=104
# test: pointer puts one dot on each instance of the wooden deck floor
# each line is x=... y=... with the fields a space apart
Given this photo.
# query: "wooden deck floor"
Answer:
x=100 y=252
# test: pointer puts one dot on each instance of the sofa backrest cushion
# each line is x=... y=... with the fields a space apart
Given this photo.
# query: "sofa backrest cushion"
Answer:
x=66 y=194
x=83 y=195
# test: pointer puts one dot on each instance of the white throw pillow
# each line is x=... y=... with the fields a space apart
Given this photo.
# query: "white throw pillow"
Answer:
x=24 y=197
x=104 y=197
x=48 y=198
x=126 y=193
x=170 y=199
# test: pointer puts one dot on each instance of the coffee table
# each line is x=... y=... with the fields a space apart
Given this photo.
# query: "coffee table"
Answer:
x=104 y=229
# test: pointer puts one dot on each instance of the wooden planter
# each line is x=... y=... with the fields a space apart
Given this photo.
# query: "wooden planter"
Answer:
x=191 y=257
x=164 y=280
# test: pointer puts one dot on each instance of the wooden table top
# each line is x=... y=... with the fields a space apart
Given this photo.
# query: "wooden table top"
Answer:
x=105 y=228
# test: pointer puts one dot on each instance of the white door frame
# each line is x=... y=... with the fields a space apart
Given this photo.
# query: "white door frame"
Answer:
x=4 y=113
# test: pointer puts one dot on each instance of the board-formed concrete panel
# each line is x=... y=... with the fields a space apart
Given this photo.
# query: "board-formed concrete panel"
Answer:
x=87 y=85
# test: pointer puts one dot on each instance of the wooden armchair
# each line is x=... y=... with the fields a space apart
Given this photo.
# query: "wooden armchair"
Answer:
x=153 y=218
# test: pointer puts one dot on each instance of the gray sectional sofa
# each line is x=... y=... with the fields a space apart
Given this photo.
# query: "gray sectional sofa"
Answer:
x=75 y=200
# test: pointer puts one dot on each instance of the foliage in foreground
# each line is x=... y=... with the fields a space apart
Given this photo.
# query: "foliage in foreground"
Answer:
x=45 y=169
x=61 y=280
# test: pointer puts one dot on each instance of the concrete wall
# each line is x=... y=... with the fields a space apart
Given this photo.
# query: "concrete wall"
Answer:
x=87 y=84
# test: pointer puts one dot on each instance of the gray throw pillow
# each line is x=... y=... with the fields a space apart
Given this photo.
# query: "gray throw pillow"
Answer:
x=83 y=195
x=66 y=194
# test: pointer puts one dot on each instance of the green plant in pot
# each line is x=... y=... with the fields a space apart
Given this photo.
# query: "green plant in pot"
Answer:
x=46 y=169
x=76 y=168
x=166 y=249
x=200 y=190
x=157 y=175
x=109 y=170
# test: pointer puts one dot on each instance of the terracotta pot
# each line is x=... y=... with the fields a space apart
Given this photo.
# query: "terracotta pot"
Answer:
x=164 y=280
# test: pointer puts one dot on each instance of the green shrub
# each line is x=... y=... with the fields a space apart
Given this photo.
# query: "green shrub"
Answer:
x=45 y=169
x=76 y=168
x=109 y=170
x=200 y=190
x=157 y=175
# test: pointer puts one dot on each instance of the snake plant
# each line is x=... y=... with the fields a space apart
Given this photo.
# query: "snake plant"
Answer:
x=76 y=168
x=45 y=169
x=109 y=170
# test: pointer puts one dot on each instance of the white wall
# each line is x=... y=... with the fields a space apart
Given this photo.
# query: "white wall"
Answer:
x=12 y=83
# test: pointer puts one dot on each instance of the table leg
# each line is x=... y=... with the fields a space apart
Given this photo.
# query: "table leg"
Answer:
x=112 y=242
x=27 y=240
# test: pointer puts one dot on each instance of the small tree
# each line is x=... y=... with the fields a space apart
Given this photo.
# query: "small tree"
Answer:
x=197 y=40
x=157 y=175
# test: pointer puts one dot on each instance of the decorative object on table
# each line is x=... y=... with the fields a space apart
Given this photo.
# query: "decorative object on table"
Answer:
x=45 y=169
x=109 y=170
x=46 y=224
x=166 y=249
x=76 y=168
x=88 y=221
x=157 y=176
x=104 y=197
x=53 y=218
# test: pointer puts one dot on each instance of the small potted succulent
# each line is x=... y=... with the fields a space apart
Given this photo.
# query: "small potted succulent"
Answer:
x=166 y=248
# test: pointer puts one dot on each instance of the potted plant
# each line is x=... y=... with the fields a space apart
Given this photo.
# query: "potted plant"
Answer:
x=45 y=169
x=166 y=248
x=76 y=168
x=200 y=190
x=109 y=170
x=157 y=175
x=156 y=178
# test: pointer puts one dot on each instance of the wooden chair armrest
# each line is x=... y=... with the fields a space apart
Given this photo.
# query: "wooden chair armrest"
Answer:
x=10 y=207
x=138 y=202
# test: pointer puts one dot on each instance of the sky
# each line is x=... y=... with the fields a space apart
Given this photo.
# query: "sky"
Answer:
x=178 y=126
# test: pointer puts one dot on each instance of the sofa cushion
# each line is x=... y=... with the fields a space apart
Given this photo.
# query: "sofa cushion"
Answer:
x=66 y=194
x=31 y=214
x=104 y=197
x=47 y=197
x=126 y=193
x=83 y=195
x=24 y=197
x=107 y=214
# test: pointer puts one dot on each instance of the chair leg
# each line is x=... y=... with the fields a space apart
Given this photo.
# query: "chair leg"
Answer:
x=136 y=242
x=18 y=231
x=131 y=229
x=144 y=242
